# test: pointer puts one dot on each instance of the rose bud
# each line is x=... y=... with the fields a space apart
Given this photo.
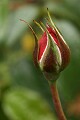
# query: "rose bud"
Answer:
x=52 y=53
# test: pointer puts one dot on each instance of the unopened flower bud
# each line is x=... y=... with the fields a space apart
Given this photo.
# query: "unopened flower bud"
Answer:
x=51 y=52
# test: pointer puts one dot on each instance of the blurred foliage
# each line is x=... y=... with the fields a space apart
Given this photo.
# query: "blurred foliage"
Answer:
x=24 y=92
x=23 y=104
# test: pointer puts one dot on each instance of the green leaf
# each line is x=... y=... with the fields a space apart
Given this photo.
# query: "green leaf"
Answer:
x=24 y=104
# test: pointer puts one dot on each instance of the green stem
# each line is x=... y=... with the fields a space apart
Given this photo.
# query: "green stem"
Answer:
x=57 y=102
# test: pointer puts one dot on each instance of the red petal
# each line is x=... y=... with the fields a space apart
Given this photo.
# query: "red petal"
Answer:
x=42 y=45
x=53 y=34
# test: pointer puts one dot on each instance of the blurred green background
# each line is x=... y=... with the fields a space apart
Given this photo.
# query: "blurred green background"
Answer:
x=24 y=92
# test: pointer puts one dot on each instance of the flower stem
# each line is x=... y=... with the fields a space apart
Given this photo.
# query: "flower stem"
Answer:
x=57 y=102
